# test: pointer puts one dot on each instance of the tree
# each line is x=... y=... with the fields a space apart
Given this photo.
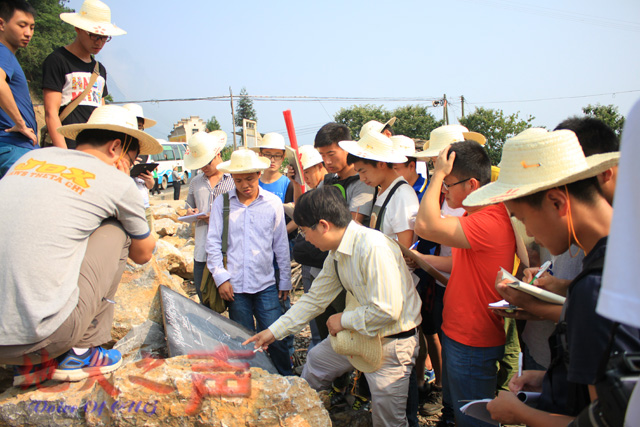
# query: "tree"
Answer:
x=496 y=127
x=245 y=109
x=212 y=124
x=608 y=114
x=225 y=154
x=50 y=33
x=357 y=115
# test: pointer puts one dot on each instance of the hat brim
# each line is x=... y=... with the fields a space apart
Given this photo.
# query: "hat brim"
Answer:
x=262 y=164
x=192 y=162
x=435 y=151
x=148 y=144
x=353 y=148
x=369 y=364
x=148 y=122
x=498 y=192
x=106 y=28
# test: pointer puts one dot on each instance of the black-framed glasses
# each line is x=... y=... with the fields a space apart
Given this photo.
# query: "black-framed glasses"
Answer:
x=98 y=37
x=448 y=186
x=272 y=156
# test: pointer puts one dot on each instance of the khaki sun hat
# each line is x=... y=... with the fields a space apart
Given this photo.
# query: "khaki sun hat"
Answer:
x=444 y=136
x=309 y=156
x=94 y=17
x=203 y=147
x=137 y=110
x=244 y=161
x=118 y=119
x=536 y=160
x=364 y=352
x=404 y=145
x=375 y=126
x=373 y=146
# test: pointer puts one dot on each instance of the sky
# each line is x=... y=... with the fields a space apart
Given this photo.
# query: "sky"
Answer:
x=543 y=58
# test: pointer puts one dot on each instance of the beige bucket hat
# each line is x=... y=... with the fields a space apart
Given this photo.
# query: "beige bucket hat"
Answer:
x=137 y=110
x=94 y=17
x=309 y=156
x=363 y=352
x=244 y=161
x=373 y=146
x=204 y=147
x=375 y=126
x=118 y=119
x=536 y=160
x=444 y=136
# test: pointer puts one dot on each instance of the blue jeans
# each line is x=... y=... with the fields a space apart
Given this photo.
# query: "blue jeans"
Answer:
x=9 y=154
x=469 y=373
x=265 y=306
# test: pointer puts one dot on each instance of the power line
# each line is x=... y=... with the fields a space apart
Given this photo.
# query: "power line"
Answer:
x=273 y=98
x=551 y=99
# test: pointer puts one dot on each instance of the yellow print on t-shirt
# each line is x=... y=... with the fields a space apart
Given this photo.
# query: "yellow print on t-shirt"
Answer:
x=76 y=179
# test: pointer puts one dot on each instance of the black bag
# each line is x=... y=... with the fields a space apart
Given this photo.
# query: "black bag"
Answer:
x=306 y=254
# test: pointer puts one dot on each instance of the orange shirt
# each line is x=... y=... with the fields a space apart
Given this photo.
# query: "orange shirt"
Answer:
x=471 y=288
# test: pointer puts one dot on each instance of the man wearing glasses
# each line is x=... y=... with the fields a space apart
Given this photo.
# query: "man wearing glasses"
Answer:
x=67 y=70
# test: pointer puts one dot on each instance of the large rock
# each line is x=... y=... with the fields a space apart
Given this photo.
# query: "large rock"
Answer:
x=174 y=260
x=164 y=211
x=143 y=341
x=166 y=227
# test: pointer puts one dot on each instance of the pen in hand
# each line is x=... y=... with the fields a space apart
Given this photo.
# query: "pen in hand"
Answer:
x=543 y=268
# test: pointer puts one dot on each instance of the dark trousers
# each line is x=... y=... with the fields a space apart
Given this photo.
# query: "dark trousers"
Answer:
x=176 y=190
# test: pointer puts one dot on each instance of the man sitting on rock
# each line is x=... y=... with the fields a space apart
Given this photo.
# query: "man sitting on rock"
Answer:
x=68 y=221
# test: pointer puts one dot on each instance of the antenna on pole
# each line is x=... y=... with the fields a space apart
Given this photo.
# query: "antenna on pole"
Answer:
x=233 y=123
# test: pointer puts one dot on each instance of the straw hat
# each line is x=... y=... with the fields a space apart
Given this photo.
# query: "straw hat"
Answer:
x=137 y=110
x=373 y=146
x=94 y=17
x=375 y=126
x=270 y=140
x=536 y=160
x=244 y=161
x=446 y=135
x=118 y=119
x=309 y=156
x=404 y=145
x=363 y=352
x=204 y=147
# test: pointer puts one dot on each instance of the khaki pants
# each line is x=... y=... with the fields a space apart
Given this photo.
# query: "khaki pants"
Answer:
x=89 y=324
x=389 y=384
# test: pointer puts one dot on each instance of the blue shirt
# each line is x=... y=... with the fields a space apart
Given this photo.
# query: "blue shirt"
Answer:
x=419 y=187
x=279 y=187
x=20 y=90
x=256 y=233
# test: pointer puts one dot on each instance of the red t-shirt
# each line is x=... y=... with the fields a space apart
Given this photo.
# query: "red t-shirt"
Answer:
x=471 y=288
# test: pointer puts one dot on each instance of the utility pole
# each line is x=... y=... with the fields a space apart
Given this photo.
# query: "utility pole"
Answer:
x=233 y=118
x=462 y=103
x=446 y=110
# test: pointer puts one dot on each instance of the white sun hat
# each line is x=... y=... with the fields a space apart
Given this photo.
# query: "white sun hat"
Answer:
x=373 y=146
x=272 y=140
x=364 y=352
x=404 y=144
x=137 y=110
x=375 y=126
x=204 y=147
x=536 y=160
x=94 y=17
x=118 y=119
x=309 y=156
x=244 y=161
x=444 y=136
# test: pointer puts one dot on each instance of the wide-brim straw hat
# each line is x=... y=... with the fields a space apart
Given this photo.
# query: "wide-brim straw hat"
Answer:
x=404 y=145
x=137 y=110
x=364 y=352
x=536 y=160
x=444 y=136
x=375 y=126
x=244 y=161
x=118 y=119
x=309 y=156
x=374 y=146
x=94 y=17
x=203 y=147
x=272 y=140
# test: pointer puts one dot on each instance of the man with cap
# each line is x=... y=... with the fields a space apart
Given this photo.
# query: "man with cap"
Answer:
x=17 y=118
x=256 y=233
x=67 y=70
x=60 y=276
x=203 y=152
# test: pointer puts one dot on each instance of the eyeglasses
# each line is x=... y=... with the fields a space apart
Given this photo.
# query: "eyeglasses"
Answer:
x=302 y=233
x=131 y=161
x=272 y=156
x=448 y=186
x=98 y=37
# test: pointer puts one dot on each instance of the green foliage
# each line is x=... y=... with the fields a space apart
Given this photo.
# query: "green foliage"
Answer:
x=226 y=153
x=496 y=127
x=213 y=124
x=357 y=115
x=608 y=114
x=245 y=109
x=50 y=33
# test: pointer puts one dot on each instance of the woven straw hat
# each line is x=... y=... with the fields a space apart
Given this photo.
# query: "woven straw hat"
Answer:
x=446 y=135
x=375 y=126
x=270 y=140
x=404 y=145
x=244 y=161
x=204 y=147
x=309 y=156
x=118 y=119
x=137 y=110
x=363 y=352
x=373 y=146
x=536 y=160
x=94 y=17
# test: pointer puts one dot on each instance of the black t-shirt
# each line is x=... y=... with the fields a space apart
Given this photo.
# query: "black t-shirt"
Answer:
x=64 y=72
x=565 y=391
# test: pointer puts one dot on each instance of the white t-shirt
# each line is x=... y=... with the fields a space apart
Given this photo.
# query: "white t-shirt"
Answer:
x=400 y=213
x=446 y=211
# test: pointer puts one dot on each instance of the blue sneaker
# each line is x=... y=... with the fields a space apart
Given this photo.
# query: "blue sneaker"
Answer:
x=28 y=375
x=96 y=361
x=429 y=376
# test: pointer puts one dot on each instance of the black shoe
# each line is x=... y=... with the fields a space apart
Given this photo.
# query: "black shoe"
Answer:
x=336 y=398
x=433 y=403
x=361 y=403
